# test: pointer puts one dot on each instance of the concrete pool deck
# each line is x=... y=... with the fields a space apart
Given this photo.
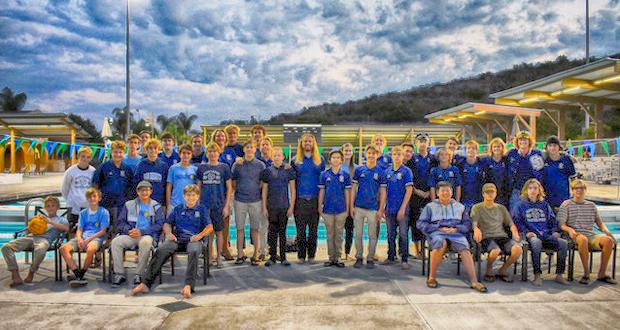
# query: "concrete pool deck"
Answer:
x=310 y=296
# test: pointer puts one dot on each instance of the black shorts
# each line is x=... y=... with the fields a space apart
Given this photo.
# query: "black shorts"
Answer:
x=504 y=244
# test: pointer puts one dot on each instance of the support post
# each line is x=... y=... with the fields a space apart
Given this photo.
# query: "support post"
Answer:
x=73 y=158
x=13 y=151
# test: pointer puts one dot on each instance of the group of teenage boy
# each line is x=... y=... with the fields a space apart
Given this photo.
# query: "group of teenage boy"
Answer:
x=154 y=196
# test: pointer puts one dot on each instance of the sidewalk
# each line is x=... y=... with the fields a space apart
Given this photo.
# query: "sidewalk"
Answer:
x=32 y=186
x=311 y=296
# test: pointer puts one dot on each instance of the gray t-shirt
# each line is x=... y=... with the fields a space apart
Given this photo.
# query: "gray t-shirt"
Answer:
x=491 y=220
x=247 y=180
x=52 y=233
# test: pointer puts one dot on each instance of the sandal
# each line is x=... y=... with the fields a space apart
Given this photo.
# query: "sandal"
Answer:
x=240 y=261
x=432 y=283
x=479 y=287
x=253 y=261
x=505 y=278
x=584 y=280
x=607 y=280
x=489 y=278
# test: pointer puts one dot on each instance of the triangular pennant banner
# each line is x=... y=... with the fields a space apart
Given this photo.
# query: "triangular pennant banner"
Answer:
x=605 y=146
x=33 y=143
x=101 y=153
x=592 y=147
x=4 y=139
x=18 y=143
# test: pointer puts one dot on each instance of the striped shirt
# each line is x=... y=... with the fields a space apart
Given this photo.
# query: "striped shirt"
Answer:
x=579 y=216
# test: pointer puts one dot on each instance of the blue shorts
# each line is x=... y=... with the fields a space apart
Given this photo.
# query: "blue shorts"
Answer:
x=457 y=241
x=215 y=213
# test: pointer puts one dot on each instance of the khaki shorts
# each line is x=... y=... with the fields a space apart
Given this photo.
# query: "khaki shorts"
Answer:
x=74 y=244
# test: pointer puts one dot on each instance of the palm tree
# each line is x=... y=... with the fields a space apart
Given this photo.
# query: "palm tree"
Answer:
x=119 y=123
x=10 y=102
x=185 y=122
x=164 y=121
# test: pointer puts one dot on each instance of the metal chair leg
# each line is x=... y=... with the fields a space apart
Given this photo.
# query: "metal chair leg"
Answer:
x=613 y=262
x=591 y=256
x=524 y=264
x=103 y=265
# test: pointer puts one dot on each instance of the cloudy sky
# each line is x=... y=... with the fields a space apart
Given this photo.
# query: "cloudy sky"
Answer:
x=233 y=59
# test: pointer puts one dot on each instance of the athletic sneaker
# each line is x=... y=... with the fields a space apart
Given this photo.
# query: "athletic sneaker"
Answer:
x=311 y=261
x=78 y=283
x=270 y=262
x=118 y=280
x=137 y=279
x=285 y=263
x=339 y=264
x=370 y=264
x=358 y=263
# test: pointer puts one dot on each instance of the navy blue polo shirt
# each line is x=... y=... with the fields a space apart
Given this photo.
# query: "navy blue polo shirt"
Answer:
x=334 y=201
x=421 y=169
x=115 y=183
x=197 y=159
x=472 y=176
x=450 y=174
x=369 y=181
x=228 y=156
x=173 y=159
x=277 y=179
x=188 y=222
x=156 y=173
x=556 y=179
x=212 y=180
x=308 y=177
x=397 y=182
x=523 y=168
x=237 y=148
x=267 y=162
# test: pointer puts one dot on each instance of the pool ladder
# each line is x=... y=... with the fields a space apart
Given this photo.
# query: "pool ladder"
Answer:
x=27 y=217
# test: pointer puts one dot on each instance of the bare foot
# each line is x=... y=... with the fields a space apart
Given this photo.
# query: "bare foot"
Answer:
x=17 y=280
x=187 y=292
x=29 y=278
x=141 y=288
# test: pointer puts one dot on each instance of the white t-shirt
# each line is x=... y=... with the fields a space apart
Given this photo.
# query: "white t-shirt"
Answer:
x=74 y=185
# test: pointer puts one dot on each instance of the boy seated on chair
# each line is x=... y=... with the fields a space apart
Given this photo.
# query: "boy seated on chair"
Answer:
x=191 y=224
x=444 y=220
x=40 y=236
x=490 y=221
x=93 y=224
x=577 y=217
x=139 y=225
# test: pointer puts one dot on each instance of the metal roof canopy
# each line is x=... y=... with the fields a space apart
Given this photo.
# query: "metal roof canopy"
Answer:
x=37 y=124
x=486 y=117
x=589 y=88
x=358 y=135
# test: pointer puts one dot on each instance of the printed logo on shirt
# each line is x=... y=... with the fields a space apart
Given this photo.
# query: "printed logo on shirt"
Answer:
x=535 y=215
x=329 y=179
x=228 y=157
x=152 y=177
x=537 y=162
x=82 y=182
x=341 y=178
x=146 y=214
x=376 y=176
x=399 y=176
x=123 y=174
x=561 y=166
x=363 y=175
x=191 y=177
x=451 y=174
x=211 y=177
x=197 y=214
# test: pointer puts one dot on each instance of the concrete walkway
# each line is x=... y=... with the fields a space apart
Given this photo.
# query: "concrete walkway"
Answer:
x=310 y=296
x=32 y=186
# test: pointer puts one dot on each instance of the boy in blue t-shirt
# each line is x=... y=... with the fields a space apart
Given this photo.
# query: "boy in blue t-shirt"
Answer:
x=185 y=228
x=277 y=181
x=368 y=202
x=179 y=176
x=334 y=201
x=93 y=224
x=168 y=154
x=444 y=172
x=399 y=189
x=558 y=171
x=214 y=180
x=153 y=170
x=133 y=158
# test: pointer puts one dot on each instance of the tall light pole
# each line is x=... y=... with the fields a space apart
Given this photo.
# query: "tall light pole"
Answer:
x=587 y=31
x=127 y=85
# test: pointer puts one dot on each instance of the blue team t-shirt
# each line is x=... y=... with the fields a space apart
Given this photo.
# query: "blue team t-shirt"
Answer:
x=115 y=183
x=173 y=159
x=180 y=177
x=369 y=182
x=132 y=162
x=450 y=174
x=335 y=184
x=308 y=177
x=92 y=222
x=496 y=172
x=472 y=176
x=397 y=182
x=156 y=173
x=421 y=169
x=213 y=184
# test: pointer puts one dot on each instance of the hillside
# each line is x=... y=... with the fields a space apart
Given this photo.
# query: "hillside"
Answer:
x=411 y=105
